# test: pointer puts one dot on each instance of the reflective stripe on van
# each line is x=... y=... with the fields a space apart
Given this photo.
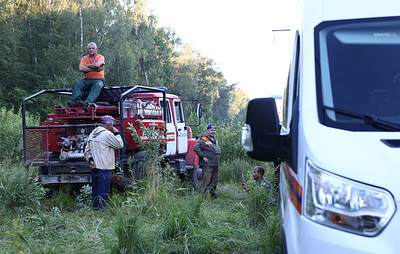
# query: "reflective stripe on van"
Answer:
x=295 y=190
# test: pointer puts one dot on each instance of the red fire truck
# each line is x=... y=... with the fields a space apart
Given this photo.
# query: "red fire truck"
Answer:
x=56 y=146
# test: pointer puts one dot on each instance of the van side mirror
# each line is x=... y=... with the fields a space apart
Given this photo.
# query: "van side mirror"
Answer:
x=261 y=136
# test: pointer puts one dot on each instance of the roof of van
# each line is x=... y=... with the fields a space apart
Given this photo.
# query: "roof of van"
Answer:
x=317 y=11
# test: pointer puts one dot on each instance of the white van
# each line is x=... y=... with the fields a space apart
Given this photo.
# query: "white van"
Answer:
x=339 y=141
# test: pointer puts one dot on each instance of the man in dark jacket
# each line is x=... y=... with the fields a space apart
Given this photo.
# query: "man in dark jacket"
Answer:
x=209 y=152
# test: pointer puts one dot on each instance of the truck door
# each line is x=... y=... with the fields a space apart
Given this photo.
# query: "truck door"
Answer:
x=171 y=131
x=181 y=129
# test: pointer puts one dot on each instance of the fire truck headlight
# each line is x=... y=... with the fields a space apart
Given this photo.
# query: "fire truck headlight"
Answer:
x=247 y=143
x=346 y=205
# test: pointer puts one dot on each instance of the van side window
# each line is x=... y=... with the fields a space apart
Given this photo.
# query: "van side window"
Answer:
x=291 y=91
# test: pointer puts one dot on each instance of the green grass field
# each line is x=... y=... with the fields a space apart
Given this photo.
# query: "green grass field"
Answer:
x=173 y=219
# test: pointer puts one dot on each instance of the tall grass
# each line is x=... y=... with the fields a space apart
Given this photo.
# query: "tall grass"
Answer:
x=182 y=215
x=158 y=215
x=235 y=170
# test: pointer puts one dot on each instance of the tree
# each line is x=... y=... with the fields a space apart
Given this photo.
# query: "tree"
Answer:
x=42 y=43
x=238 y=104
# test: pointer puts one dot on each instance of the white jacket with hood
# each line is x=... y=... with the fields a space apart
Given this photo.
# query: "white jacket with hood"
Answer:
x=101 y=147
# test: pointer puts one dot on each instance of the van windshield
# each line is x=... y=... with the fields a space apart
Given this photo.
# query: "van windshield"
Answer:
x=358 y=72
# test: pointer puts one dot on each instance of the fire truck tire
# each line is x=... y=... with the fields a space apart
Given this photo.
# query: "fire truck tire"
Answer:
x=195 y=175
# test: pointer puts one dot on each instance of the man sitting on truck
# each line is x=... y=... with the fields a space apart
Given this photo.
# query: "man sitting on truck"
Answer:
x=92 y=66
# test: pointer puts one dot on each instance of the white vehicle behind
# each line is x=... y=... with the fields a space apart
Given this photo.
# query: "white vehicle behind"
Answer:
x=339 y=141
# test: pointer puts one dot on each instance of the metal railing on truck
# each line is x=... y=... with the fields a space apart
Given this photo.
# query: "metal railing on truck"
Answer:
x=36 y=140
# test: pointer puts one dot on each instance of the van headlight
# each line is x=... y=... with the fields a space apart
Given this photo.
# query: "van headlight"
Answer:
x=346 y=205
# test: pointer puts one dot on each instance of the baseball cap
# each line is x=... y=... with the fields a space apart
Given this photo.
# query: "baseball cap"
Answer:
x=107 y=119
x=211 y=126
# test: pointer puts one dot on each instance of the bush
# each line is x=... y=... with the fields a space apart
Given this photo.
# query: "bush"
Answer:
x=153 y=157
x=11 y=146
x=18 y=192
x=84 y=199
x=229 y=137
x=230 y=140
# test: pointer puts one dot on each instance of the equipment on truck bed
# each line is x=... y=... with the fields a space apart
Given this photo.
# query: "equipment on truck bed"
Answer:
x=56 y=146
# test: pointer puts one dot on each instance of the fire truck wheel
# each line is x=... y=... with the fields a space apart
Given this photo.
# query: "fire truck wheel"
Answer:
x=195 y=176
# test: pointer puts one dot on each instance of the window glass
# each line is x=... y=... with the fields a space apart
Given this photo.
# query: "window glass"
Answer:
x=294 y=70
x=178 y=112
x=168 y=113
x=358 y=73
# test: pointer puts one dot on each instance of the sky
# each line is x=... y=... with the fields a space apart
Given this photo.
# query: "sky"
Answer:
x=238 y=35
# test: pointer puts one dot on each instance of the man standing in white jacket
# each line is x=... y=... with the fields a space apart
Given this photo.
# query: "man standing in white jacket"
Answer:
x=100 y=153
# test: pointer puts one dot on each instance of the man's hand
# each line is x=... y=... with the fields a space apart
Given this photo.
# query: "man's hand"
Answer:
x=206 y=160
x=92 y=165
x=244 y=186
x=97 y=66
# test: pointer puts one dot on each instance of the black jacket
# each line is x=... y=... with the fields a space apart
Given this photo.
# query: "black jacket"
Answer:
x=208 y=147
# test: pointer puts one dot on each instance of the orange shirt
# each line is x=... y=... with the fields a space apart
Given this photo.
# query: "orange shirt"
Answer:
x=93 y=74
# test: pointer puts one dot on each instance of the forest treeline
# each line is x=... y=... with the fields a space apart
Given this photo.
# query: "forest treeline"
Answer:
x=42 y=42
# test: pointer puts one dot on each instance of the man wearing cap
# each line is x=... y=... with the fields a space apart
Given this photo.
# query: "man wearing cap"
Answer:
x=100 y=153
x=209 y=152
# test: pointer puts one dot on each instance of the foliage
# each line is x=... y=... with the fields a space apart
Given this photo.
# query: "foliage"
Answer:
x=260 y=199
x=182 y=216
x=126 y=227
x=229 y=136
x=84 y=199
x=151 y=141
x=178 y=222
x=18 y=193
x=11 y=135
x=43 y=42
x=238 y=105
x=235 y=170
x=230 y=139
x=62 y=198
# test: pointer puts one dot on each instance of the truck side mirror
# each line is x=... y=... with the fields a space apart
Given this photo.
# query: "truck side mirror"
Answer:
x=261 y=136
x=198 y=110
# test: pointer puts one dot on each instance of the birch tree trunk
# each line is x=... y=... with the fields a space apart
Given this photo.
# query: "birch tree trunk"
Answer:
x=81 y=24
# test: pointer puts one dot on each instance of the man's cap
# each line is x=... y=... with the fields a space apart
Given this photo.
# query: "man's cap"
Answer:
x=107 y=119
x=211 y=126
